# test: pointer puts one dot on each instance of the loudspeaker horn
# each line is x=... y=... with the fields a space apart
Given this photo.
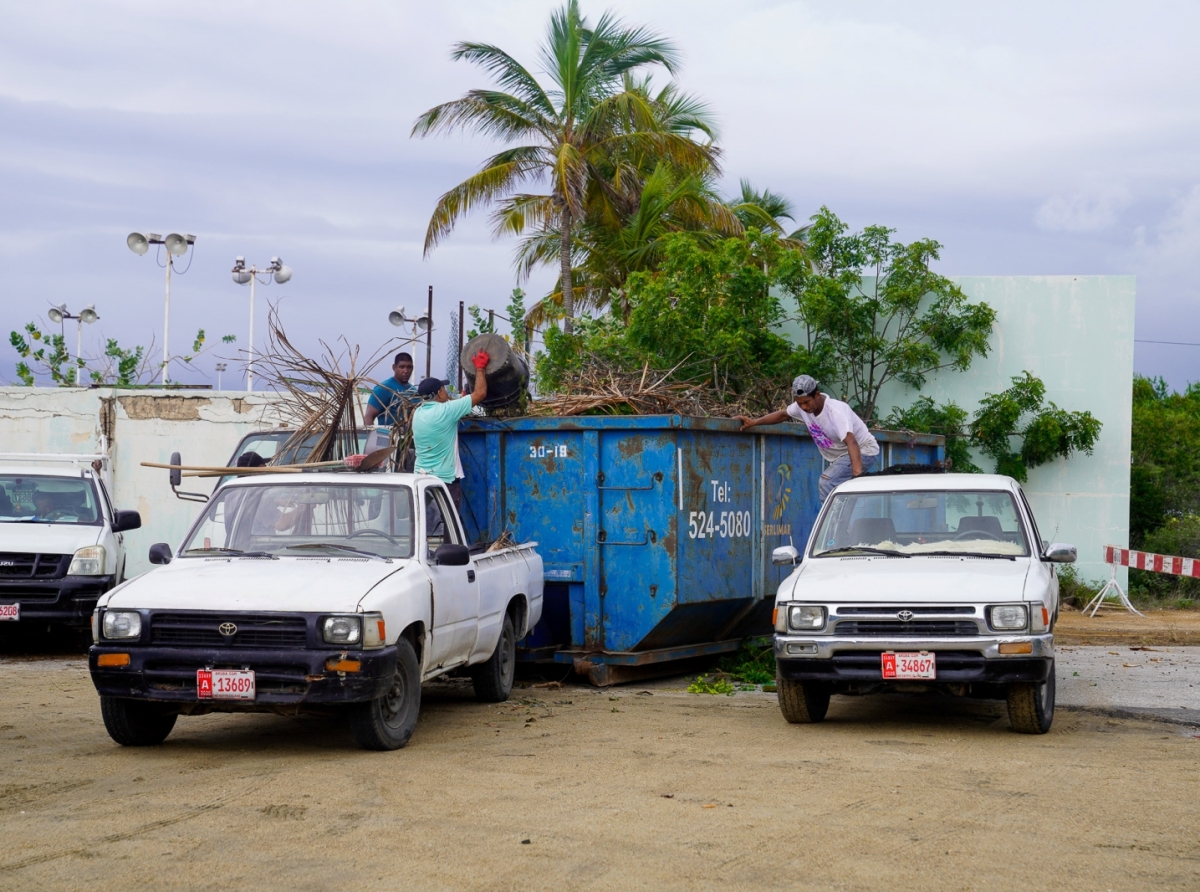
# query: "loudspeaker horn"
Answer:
x=138 y=243
x=176 y=244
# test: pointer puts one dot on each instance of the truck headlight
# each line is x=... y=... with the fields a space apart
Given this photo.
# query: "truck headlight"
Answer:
x=88 y=561
x=1008 y=617
x=806 y=616
x=374 y=633
x=122 y=624
x=341 y=630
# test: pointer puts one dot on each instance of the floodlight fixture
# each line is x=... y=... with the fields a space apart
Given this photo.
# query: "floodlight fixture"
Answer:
x=397 y=317
x=138 y=243
x=248 y=275
x=88 y=314
x=57 y=314
x=177 y=245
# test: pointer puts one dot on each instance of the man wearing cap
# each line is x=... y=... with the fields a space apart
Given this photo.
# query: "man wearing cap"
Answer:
x=840 y=435
x=435 y=427
x=384 y=405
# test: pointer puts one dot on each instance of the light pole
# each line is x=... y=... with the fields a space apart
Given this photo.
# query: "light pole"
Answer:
x=88 y=314
x=422 y=325
x=248 y=275
x=176 y=245
x=220 y=368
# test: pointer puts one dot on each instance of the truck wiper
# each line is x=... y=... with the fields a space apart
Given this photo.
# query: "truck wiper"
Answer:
x=348 y=548
x=232 y=551
x=974 y=554
x=867 y=548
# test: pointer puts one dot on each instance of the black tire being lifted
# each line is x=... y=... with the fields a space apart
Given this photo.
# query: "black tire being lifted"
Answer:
x=493 y=680
x=1031 y=706
x=136 y=722
x=802 y=702
x=387 y=722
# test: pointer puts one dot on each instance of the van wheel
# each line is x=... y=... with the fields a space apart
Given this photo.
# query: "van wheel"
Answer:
x=1031 y=706
x=135 y=722
x=493 y=680
x=802 y=702
x=387 y=722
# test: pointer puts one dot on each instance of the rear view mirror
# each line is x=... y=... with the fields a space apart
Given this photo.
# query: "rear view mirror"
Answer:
x=126 y=520
x=160 y=553
x=452 y=555
x=176 y=474
x=785 y=555
x=1060 y=553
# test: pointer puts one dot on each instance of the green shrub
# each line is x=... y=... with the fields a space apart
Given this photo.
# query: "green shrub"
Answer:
x=1179 y=536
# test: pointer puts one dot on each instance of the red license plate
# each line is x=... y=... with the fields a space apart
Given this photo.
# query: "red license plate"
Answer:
x=225 y=684
x=909 y=664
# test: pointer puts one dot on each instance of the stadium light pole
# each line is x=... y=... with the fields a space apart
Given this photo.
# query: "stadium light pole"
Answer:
x=248 y=275
x=88 y=314
x=177 y=245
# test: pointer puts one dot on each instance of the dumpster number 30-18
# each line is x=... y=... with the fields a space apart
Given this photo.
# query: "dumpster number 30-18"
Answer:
x=559 y=451
x=725 y=525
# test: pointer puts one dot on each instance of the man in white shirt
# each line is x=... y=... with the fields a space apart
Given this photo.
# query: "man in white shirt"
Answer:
x=839 y=434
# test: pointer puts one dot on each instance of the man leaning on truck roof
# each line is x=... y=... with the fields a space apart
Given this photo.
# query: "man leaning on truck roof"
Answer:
x=840 y=435
x=435 y=427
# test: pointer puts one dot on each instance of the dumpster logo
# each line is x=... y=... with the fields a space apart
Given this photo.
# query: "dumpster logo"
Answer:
x=781 y=494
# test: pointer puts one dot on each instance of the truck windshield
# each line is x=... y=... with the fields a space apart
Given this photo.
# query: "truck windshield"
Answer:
x=45 y=499
x=305 y=519
x=983 y=523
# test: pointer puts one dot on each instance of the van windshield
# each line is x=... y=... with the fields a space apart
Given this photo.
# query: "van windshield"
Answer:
x=305 y=519
x=984 y=523
x=30 y=498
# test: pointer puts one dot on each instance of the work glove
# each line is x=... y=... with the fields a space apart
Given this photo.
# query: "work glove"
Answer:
x=353 y=461
x=480 y=360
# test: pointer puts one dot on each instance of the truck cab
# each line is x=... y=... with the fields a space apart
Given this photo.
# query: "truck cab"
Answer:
x=921 y=582
x=313 y=592
x=61 y=539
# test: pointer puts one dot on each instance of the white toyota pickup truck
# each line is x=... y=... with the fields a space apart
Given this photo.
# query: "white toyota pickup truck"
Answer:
x=918 y=582
x=331 y=593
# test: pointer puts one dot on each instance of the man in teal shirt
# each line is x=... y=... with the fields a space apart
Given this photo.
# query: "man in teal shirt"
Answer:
x=435 y=427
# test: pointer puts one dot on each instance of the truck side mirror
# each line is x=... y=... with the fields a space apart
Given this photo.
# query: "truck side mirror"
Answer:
x=1060 y=553
x=126 y=520
x=160 y=553
x=176 y=474
x=452 y=555
x=784 y=555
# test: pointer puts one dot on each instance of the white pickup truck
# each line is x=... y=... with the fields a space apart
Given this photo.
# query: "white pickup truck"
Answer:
x=313 y=592
x=919 y=582
x=61 y=540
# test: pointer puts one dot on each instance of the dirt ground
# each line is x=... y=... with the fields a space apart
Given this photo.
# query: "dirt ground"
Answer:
x=1113 y=626
x=576 y=788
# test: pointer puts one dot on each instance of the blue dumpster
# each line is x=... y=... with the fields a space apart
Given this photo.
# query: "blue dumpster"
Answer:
x=656 y=531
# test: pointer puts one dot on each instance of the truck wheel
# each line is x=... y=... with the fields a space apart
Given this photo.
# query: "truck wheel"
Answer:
x=802 y=702
x=135 y=722
x=1031 y=706
x=493 y=680
x=387 y=722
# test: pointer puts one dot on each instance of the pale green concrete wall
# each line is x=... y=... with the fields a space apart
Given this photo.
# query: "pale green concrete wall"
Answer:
x=1076 y=334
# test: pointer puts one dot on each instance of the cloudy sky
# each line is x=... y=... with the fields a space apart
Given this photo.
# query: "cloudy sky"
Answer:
x=1029 y=138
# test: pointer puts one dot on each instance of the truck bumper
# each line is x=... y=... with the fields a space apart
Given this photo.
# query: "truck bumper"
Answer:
x=69 y=600
x=285 y=680
x=959 y=660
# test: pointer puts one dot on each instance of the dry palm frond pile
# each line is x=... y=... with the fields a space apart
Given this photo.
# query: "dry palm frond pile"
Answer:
x=601 y=389
x=320 y=395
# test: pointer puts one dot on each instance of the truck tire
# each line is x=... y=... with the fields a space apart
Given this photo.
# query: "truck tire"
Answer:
x=493 y=680
x=1031 y=706
x=387 y=722
x=135 y=722
x=802 y=702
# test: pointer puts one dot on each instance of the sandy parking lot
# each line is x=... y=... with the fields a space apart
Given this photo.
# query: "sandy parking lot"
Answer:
x=584 y=789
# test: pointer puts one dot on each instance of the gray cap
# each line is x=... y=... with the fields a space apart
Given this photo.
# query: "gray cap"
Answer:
x=804 y=385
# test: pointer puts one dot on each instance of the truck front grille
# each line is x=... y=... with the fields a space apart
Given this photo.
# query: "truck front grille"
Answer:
x=914 y=629
x=253 y=630
x=23 y=565
x=281 y=679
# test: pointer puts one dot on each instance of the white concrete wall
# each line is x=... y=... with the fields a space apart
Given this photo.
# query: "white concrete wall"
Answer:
x=1076 y=334
x=139 y=425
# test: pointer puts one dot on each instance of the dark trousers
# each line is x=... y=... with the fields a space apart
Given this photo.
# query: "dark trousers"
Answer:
x=456 y=495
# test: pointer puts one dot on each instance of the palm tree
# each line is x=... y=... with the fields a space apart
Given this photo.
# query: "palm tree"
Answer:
x=569 y=129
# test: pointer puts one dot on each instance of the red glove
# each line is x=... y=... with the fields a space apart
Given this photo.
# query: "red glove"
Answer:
x=353 y=461
x=480 y=360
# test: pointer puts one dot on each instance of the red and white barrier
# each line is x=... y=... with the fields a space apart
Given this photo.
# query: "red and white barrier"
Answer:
x=1156 y=563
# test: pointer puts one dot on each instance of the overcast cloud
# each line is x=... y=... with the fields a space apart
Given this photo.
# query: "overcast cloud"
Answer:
x=1028 y=138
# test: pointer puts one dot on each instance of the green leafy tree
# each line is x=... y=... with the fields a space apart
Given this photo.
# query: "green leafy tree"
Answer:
x=569 y=129
x=1165 y=460
x=878 y=310
x=43 y=353
x=516 y=318
x=1016 y=428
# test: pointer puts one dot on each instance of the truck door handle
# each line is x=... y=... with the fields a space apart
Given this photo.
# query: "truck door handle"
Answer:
x=470 y=576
